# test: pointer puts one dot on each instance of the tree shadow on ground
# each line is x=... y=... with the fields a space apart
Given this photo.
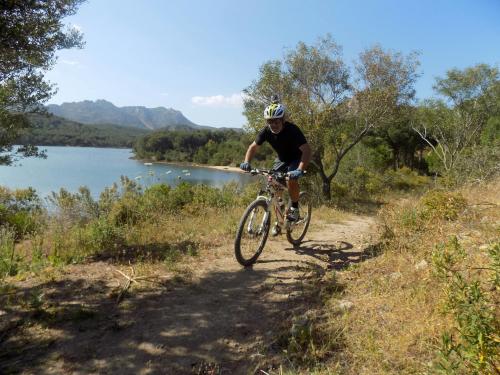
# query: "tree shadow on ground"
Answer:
x=227 y=318
x=78 y=328
x=151 y=252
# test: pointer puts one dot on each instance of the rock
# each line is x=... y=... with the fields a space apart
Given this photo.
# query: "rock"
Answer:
x=345 y=305
x=421 y=265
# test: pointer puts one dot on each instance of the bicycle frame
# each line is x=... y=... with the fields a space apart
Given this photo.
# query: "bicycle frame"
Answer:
x=255 y=222
x=274 y=189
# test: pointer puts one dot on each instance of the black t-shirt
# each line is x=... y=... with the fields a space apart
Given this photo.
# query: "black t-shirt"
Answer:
x=286 y=143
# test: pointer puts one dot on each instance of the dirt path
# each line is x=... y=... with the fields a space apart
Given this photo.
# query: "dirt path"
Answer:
x=226 y=315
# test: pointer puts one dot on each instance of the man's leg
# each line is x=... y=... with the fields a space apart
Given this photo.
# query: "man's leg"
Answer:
x=294 y=190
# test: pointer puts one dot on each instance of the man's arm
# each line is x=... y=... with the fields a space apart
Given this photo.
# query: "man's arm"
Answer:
x=306 y=156
x=252 y=149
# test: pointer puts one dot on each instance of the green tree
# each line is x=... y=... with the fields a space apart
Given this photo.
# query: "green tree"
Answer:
x=334 y=107
x=31 y=32
x=405 y=145
x=455 y=121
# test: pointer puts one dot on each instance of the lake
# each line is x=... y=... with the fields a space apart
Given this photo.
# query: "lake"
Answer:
x=97 y=168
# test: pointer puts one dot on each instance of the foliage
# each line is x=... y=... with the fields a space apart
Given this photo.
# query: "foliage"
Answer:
x=366 y=173
x=76 y=226
x=49 y=130
x=74 y=208
x=442 y=205
x=455 y=122
x=8 y=258
x=473 y=347
x=334 y=108
x=306 y=344
x=20 y=210
x=215 y=147
x=397 y=142
x=30 y=35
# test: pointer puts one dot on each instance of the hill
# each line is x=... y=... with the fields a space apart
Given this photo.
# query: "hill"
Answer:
x=104 y=112
x=56 y=131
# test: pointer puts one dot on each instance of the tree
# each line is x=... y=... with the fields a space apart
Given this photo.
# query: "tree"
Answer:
x=31 y=32
x=397 y=135
x=335 y=108
x=455 y=121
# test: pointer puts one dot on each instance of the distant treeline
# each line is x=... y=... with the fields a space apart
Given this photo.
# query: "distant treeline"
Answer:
x=50 y=130
x=219 y=147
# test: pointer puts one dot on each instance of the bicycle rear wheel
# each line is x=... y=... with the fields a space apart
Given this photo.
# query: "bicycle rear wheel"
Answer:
x=252 y=232
x=295 y=232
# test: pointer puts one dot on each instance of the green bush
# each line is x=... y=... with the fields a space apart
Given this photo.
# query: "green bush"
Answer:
x=103 y=236
x=205 y=196
x=474 y=345
x=21 y=210
x=76 y=208
x=404 y=179
x=156 y=198
x=180 y=196
x=8 y=258
x=442 y=205
x=126 y=211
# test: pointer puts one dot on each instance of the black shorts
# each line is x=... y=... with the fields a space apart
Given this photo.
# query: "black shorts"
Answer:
x=281 y=166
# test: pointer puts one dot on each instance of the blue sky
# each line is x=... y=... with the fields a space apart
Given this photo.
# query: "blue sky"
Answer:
x=197 y=56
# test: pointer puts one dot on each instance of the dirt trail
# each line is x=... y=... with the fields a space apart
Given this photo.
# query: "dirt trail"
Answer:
x=227 y=315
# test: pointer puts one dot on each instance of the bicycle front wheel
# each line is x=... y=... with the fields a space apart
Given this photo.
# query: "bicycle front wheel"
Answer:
x=252 y=232
x=295 y=232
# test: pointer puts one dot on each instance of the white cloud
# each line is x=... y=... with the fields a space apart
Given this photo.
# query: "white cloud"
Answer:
x=235 y=100
x=164 y=93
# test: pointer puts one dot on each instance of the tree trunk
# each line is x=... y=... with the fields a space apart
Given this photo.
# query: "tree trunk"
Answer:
x=327 y=194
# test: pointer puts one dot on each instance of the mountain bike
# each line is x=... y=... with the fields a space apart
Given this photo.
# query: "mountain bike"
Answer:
x=255 y=223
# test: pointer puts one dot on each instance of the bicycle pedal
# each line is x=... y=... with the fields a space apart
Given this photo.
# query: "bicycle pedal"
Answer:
x=276 y=231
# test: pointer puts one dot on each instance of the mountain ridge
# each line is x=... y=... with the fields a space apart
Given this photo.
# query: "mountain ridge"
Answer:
x=102 y=111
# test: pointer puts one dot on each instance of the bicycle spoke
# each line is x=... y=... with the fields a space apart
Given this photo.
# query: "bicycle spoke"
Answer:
x=252 y=233
x=296 y=231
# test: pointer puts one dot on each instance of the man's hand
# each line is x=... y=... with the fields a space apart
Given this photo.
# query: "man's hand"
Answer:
x=294 y=175
x=246 y=166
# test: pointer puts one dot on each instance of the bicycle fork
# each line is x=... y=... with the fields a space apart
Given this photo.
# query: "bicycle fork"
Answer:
x=262 y=225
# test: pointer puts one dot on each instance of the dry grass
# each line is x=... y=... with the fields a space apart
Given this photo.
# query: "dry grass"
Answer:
x=398 y=318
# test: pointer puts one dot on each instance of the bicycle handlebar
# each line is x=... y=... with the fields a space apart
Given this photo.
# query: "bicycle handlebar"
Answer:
x=270 y=172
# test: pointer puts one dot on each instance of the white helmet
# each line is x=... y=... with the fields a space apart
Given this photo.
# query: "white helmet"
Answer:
x=275 y=110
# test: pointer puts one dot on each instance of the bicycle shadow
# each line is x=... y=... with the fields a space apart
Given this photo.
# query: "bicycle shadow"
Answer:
x=336 y=256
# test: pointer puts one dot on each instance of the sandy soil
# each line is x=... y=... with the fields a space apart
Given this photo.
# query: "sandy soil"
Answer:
x=218 y=167
x=222 y=321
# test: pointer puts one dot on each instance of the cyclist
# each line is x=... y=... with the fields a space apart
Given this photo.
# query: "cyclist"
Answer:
x=294 y=153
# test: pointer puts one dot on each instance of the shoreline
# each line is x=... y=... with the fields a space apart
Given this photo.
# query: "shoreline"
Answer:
x=225 y=168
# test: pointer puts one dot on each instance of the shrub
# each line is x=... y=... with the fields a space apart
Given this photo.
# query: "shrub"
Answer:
x=206 y=196
x=404 y=179
x=8 y=258
x=476 y=164
x=443 y=205
x=474 y=345
x=21 y=210
x=180 y=196
x=126 y=211
x=76 y=208
x=103 y=236
x=156 y=198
